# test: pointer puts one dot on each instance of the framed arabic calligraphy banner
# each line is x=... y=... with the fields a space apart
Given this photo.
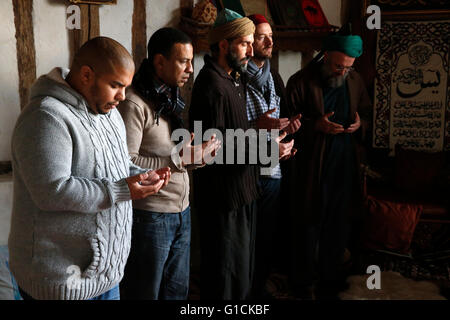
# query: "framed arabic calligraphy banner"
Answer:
x=412 y=92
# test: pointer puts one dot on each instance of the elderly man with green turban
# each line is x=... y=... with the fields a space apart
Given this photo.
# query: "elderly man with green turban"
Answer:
x=335 y=110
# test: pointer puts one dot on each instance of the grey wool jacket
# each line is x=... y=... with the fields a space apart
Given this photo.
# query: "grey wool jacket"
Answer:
x=71 y=222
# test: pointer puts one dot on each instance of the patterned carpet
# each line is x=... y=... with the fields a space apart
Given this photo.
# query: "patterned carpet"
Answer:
x=428 y=260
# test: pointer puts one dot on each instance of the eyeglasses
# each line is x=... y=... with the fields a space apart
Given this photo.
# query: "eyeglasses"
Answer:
x=342 y=68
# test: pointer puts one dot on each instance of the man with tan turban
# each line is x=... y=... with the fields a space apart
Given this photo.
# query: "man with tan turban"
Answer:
x=225 y=195
x=335 y=112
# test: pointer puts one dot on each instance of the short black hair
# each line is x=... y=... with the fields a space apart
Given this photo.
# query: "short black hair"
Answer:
x=162 y=41
x=214 y=48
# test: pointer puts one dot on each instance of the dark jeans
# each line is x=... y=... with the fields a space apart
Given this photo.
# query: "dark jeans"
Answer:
x=158 y=265
x=227 y=252
x=266 y=222
x=112 y=294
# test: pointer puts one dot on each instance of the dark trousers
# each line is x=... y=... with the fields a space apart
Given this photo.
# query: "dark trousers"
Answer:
x=158 y=265
x=266 y=223
x=319 y=250
x=227 y=252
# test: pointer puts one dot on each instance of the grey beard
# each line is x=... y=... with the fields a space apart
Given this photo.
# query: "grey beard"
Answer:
x=331 y=80
x=235 y=64
x=336 y=81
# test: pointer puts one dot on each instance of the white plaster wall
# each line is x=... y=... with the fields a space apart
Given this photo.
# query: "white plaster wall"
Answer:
x=289 y=62
x=116 y=22
x=9 y=79
x=162 y=14
x=332 y=10
x=199 y=62
x=51 y=36
x=6 y=194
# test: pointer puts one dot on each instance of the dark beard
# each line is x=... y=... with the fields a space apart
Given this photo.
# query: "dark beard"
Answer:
x=261 y=56
x=331 y=80
x=235 y=63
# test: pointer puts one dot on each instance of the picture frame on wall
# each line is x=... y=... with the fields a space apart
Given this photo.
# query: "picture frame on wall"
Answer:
x=287 y=13
x=93 y=1
x=313 y=13
x=302 y=13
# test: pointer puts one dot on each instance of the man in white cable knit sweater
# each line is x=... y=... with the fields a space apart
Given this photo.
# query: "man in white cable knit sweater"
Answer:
x=73 y=179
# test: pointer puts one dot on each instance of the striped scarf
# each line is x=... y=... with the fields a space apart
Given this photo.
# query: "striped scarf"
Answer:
x=167 y=100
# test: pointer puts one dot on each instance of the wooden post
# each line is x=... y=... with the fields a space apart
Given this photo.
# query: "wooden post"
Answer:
x=26 y=52
x=94 y=21
x=365 y=64
x=274 y=61
x=139 y=32
x=186 y=7
x=90 y=27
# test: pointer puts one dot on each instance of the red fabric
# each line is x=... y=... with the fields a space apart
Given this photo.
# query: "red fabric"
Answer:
x=258 y=19
x=313 y=13
x=390 y=225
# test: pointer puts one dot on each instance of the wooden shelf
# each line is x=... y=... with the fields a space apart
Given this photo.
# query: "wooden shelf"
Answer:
x=299 y=39
x=286 y=38
x=6 y=178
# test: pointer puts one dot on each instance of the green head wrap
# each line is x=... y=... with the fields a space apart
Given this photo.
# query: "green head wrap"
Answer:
x=225 y=16
x=230 y=24
x=351 y=45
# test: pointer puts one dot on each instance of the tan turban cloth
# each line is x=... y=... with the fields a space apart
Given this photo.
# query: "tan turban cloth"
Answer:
x=236 y=28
